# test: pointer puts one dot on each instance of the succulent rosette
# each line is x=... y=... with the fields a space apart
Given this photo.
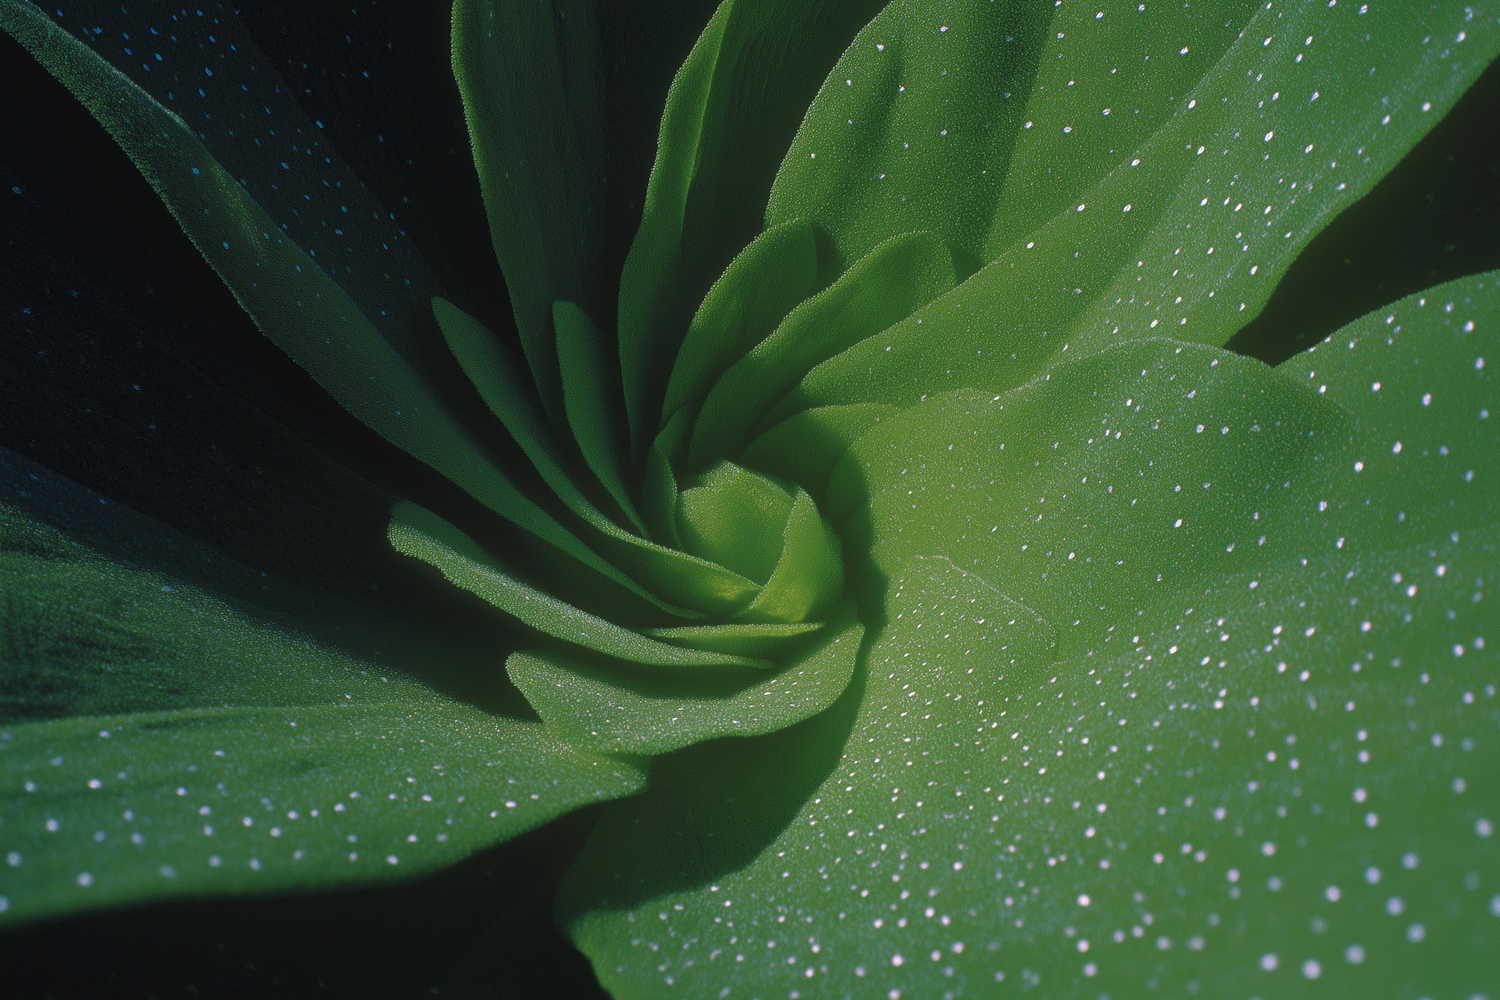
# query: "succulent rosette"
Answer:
x=891 y=534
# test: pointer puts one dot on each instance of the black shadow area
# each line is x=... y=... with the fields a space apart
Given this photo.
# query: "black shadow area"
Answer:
x=481 y=929
x=130 y=369
x=710 y=810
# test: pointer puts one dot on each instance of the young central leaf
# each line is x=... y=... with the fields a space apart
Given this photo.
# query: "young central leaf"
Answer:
x=736 y=518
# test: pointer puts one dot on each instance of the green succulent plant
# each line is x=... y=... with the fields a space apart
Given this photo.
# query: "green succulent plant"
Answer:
x=892 y=542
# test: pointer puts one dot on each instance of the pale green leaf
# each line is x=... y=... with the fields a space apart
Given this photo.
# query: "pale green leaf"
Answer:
x=614 y=710
x=1259 y=759
x=735 y=518
x=763 y=640
x=809 y=574
x=419 y=533
x=1177 y=159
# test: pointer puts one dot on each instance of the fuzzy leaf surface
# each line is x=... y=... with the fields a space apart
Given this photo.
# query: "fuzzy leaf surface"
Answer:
x=160 y=741
x=1146 y=173
x=1261 y=736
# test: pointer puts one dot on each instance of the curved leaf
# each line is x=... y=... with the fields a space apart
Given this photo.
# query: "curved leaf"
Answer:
x=423 y=535
x=301 y=309
x=764 y=283
x=735 y=518
x=1255 y=758
x=159 y=742
x=1181 y=231
x=500 y=379
x=732 y=109
x=763 y=640
x=641 y=713
x=805 y=448
x=533 y=91
x=885 y=286
x=592 y=400
x=660 y=574
x=809 y=574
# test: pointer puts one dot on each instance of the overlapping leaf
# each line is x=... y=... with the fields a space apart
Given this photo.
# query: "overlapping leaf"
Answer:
x=1174 y=679
x=653 y=712
x=288 y=295
x=1259 y=756
x=161 y=741
x=1145 y=173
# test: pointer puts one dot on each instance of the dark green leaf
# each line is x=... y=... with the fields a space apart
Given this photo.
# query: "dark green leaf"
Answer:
x=531 y=79
x=592 y=399
x=158 y=741
x=290 y=298
x=732 y=109
x=760 y=286
x=887 y=285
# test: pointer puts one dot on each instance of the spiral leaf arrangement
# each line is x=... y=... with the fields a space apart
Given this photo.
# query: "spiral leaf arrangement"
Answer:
x=657 y=441
x=902 y=446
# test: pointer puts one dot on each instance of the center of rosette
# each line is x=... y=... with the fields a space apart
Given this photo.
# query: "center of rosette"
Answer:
x=731 y=562
x=767 y=531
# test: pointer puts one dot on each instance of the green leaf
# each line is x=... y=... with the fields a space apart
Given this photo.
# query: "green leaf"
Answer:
x=158 y=741
x=533 y=91
x=1264 y=736
x=641 y=712
x=592 y=399
x=116 y=809
x=760 y=286
x=293 y=302
x=501 y=382
x=809 y=574
x=804 y=448
x=423 y=535
x=675 y=576
x=884 y=287
x=762 y=640
x=1159 y=680
x=1230 y=140
x=649 y=297
x=659 y=493
x=732 y=109
x=735 y=518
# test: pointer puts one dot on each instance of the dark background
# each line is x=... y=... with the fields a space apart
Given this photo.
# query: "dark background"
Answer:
x=234 y=444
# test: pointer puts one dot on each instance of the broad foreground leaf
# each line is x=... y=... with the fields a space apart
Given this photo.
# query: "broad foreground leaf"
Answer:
x=1259 y=759
x=158 y=740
